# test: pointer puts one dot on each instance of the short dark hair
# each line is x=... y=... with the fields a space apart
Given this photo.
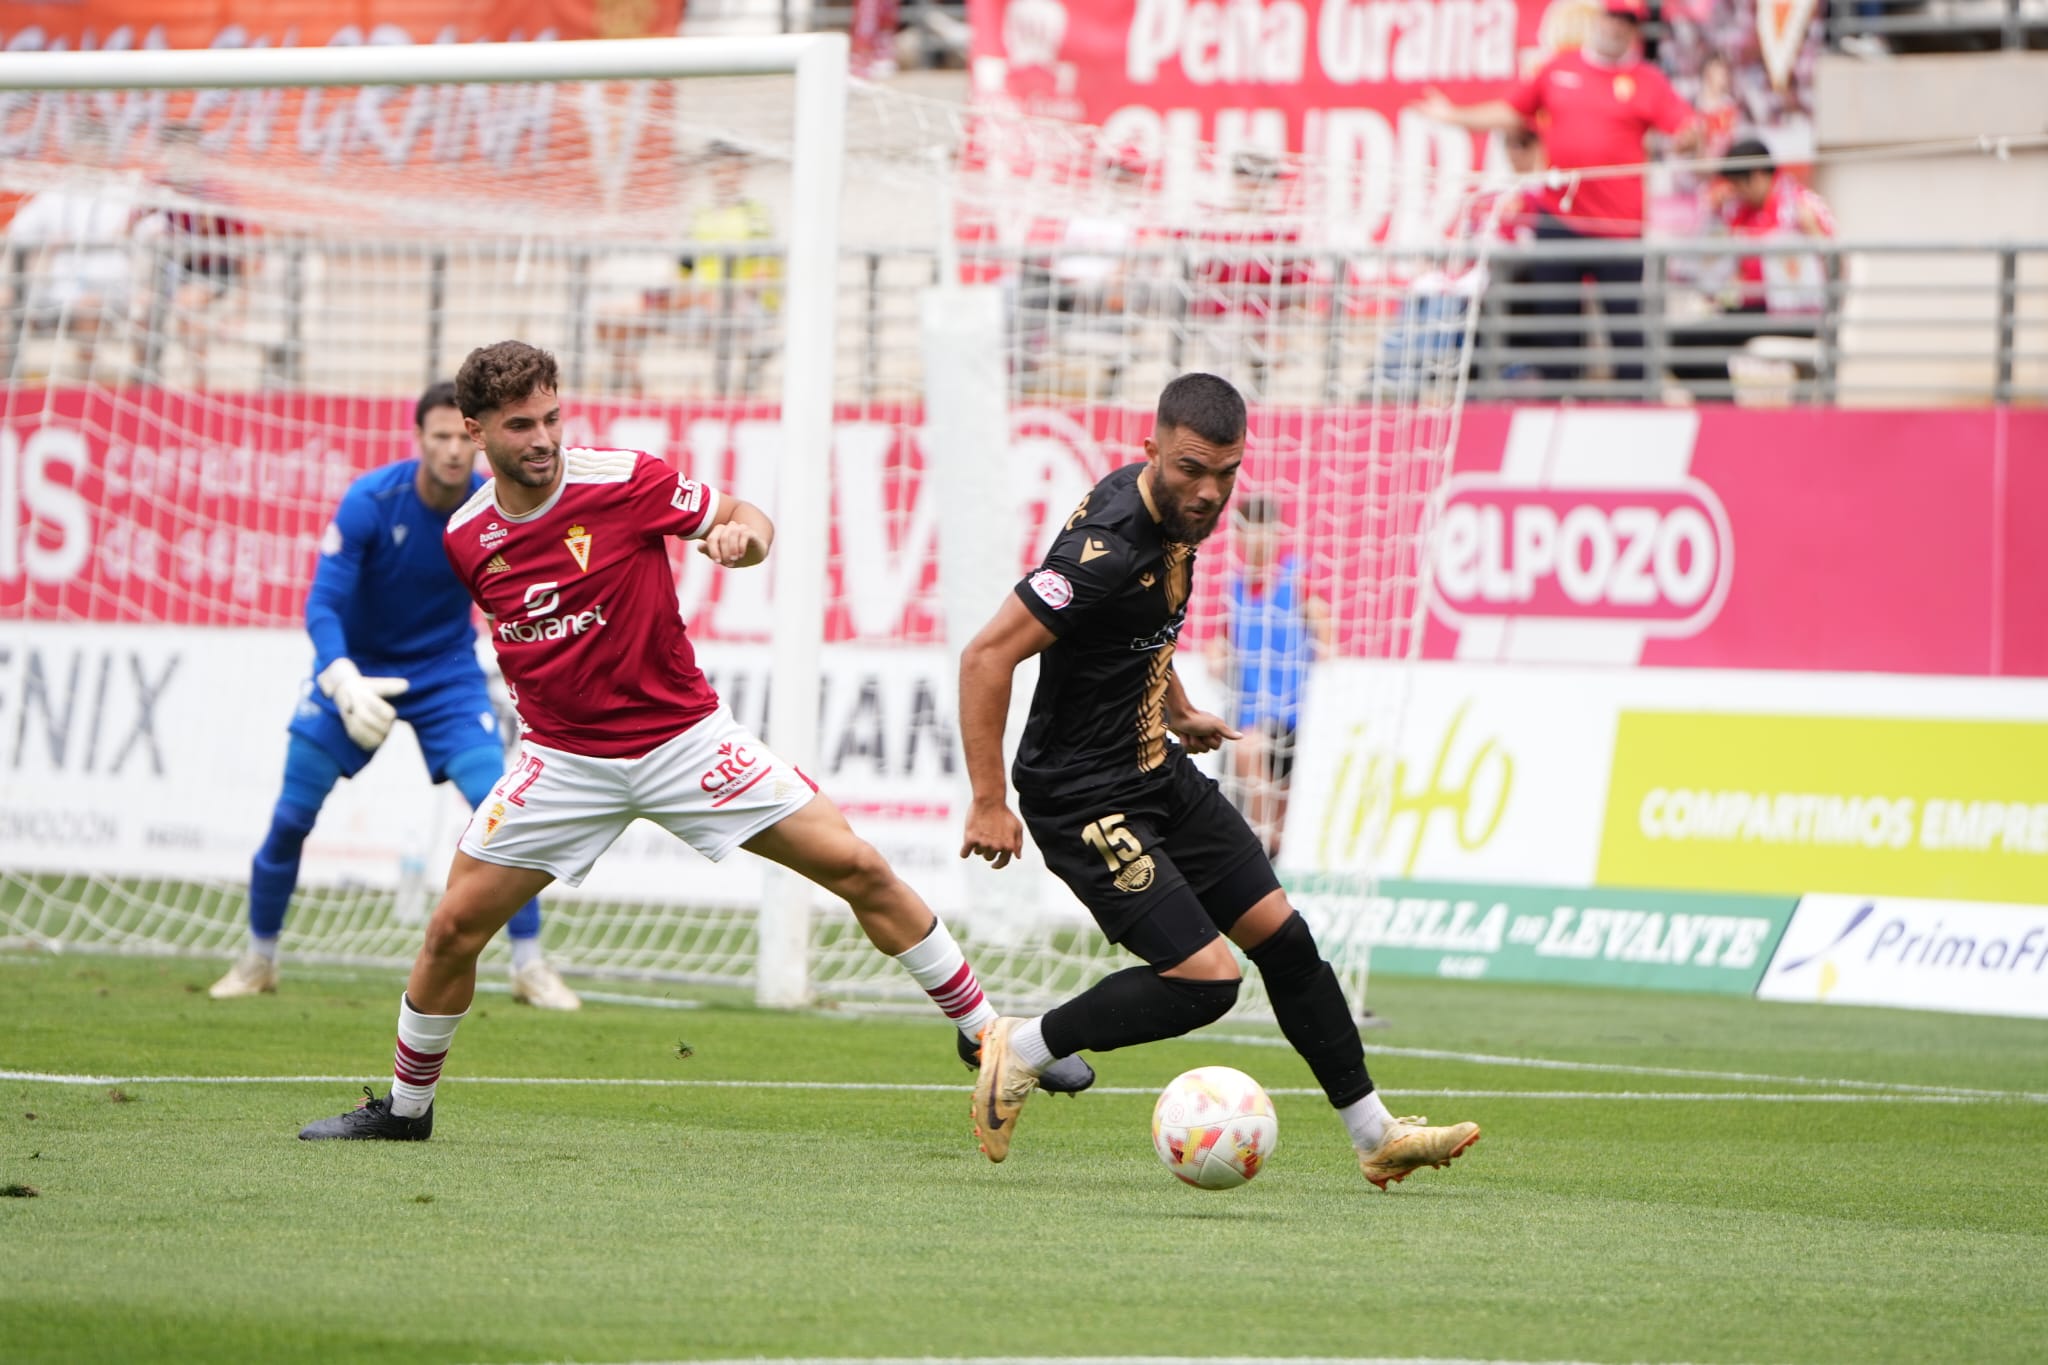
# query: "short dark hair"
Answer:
x=1752 y=151
x=441 y=395
x=1209 y=407
x=501 y=374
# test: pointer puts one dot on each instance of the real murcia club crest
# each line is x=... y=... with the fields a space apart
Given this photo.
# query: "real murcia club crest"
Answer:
x=578 y=541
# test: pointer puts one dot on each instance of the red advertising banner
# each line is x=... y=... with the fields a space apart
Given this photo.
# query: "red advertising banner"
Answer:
x=118 y=25
x=1825 y=540
x=1820 y=540
x=1328 y=79
x=266 y=152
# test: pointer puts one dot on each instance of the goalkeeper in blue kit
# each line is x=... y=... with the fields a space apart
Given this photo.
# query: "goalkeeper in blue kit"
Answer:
x=392 y=640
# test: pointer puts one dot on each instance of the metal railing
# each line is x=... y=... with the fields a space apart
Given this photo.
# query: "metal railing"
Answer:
x=1912 y=324
x=1936 y=25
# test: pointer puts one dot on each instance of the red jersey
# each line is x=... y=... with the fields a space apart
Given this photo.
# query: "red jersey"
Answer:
x=1597 y=117
x=1784 y=214
x=581 y=602
x=1259 y=275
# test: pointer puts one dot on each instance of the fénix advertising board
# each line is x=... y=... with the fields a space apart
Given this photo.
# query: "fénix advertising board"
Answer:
x=1914 y=954
x=157 y=750
x=1606 y=937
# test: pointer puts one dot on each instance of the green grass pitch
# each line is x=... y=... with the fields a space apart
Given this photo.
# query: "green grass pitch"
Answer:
x=1804 y=1202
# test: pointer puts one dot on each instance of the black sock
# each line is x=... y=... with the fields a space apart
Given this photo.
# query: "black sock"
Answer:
x=1136 y=1005
x=1312 y=1012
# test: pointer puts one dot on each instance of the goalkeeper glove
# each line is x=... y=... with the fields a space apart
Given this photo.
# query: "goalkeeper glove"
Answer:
x=364 y=713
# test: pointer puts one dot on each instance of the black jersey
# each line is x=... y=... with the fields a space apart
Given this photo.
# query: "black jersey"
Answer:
x=1115 y=592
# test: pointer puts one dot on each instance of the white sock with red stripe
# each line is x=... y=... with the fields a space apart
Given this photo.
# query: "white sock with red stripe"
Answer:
x=416 y=1066
x=938 y=965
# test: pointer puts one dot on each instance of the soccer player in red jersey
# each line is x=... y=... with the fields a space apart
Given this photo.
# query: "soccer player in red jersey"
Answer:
x=1594 y=107
x=565 y=552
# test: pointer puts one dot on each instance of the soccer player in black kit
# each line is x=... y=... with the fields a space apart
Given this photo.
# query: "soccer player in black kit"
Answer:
x=1144 y=839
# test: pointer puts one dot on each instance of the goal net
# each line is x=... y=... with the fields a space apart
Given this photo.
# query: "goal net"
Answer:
x=222 y=303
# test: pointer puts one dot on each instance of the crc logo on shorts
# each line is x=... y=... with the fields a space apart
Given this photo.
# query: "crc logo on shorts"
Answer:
x=1135 y=875
x=493 y=534
x=1052 y=588
x=735 y=763
x=493 y=818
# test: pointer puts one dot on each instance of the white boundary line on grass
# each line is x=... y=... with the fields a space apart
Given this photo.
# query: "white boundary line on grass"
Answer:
x=1104 y=1359
x=1914 y=1096
x=1622 y=1069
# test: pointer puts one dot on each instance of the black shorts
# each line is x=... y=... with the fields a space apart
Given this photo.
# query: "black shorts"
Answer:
x=1279 y=748
x=1162 y=861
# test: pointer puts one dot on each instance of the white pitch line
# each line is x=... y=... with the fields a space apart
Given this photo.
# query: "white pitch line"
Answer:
x=1621 y=1069
x=1108 y=1360
x=656 y=1083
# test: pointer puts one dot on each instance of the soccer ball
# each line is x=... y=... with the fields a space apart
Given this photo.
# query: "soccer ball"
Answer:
x=1214 y=1127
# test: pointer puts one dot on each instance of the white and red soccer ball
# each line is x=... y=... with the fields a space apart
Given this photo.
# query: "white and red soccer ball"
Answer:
x=1214 y=1127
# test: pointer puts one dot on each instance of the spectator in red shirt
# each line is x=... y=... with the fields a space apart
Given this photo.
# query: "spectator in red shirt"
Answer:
x=1756 y=199
x=1780 y=294
x=1594 y=106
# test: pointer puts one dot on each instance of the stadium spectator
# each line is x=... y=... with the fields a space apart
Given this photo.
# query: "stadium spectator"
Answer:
x=1594 y=108
x=1762 y=294
x=205 y=252
x=1273 y=628
x=1124 y=818
x=567 y=551
x=1756 y=199
x=72 y=244
x=1076 y=335
x=873 y=34
x=1248 y=275
x=392 y=640
x=725 y=298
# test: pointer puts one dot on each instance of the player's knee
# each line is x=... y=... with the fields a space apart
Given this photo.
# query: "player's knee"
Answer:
x=861 y=875
x=453 y=936
x=1204 y=1001
x=289 y=826
x=1213 y=961
x=1289 y=954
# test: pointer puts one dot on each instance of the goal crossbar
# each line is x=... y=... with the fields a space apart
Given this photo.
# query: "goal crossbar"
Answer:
x=597 y=59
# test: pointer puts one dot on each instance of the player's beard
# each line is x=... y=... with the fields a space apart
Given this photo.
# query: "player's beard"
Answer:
x=514 y=467
x=1178 y=522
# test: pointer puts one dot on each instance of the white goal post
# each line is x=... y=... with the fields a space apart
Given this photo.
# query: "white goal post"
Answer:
x=818 y=64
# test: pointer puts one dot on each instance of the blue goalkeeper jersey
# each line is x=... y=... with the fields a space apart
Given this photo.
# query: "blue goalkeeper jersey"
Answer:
x=383 y=593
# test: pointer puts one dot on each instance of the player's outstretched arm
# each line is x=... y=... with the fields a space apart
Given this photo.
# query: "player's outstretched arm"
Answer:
x=987 y=667
x=739 y=536
x=1199 y=731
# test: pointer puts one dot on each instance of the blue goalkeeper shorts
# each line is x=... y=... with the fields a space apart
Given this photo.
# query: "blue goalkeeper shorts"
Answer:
x=448 y=716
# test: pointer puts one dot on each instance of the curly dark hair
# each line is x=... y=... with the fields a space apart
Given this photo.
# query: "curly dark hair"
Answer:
x=501 y=374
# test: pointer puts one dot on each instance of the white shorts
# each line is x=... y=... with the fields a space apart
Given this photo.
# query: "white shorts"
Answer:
x=714 y=786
